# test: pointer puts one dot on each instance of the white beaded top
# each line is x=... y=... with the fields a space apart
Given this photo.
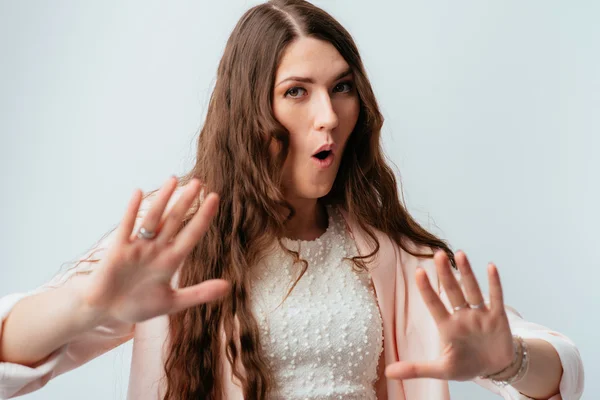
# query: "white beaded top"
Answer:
x=324 y=340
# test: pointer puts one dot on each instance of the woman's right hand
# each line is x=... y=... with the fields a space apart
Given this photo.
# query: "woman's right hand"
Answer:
x=133 y=281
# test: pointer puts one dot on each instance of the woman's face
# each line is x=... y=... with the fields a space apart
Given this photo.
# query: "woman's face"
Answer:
x=315 y=100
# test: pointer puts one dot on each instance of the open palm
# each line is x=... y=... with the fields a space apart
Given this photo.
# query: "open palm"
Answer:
x=475 y=337
x=133 y=281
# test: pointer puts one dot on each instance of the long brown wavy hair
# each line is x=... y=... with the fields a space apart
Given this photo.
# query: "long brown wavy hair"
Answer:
x=233 y=159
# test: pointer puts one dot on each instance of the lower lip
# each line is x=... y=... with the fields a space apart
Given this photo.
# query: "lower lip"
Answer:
x=325 y=163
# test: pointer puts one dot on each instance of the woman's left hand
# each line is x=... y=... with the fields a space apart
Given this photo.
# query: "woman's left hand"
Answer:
x=475 y=341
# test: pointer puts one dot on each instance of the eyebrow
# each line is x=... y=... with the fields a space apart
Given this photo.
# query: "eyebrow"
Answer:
x=310 y=80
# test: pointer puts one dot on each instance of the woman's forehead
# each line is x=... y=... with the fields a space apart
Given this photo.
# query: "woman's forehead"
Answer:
x=311 y=58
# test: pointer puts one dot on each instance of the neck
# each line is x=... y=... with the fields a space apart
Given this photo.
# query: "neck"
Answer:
x=309 y=222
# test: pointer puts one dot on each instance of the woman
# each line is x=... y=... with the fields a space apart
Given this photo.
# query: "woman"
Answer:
x=329 y=289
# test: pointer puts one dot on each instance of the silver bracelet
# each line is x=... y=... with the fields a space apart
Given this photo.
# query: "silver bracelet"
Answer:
x=523 y=367
x=517 y=350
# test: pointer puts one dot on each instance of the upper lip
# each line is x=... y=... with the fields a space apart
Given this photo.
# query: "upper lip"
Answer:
x=325 y=147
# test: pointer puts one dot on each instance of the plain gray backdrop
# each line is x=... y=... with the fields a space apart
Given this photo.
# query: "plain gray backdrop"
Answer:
x=492 y=121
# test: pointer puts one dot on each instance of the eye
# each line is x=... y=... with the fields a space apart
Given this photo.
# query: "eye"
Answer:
x=295 y=92
x=343 y=87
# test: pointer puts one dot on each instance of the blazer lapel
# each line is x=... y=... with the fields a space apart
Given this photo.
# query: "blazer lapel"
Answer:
x=389 y=288
x=410 y=333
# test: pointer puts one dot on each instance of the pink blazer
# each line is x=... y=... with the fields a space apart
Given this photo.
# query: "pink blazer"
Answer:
x=409 y=332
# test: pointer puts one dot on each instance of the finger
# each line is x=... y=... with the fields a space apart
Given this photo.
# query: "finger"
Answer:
x=409 y=370
x=128 y=222
x=469 y=281
x=153 y=217
x=451 y=286
x=496 y=296
x=189 y=236
x=174 y=218
x=432 y=300
x=201 y=293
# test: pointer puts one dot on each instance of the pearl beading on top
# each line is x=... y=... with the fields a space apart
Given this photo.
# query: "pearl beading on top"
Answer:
x=325 y=339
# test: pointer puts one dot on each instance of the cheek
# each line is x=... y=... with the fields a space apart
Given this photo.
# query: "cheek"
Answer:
x=353 y=110
x=348 y=116
x=295 y=120
x=292 y=118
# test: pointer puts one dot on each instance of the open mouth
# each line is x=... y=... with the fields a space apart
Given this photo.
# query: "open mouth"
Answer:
x=323 y=158
x=322 y=155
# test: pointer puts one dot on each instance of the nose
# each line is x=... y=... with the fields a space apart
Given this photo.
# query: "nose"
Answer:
x=325 y=117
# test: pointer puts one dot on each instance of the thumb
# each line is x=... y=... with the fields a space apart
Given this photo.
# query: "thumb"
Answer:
x=409 y=370
x=201 y=293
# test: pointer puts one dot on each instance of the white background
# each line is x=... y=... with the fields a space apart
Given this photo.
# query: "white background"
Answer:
x=492 y=119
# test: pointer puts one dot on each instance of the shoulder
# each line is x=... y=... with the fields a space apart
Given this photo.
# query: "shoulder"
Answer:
x=407 y=254
x=407 y=250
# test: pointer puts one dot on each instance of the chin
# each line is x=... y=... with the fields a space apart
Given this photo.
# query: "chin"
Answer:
x=318 y=191
x=310 y=187
x=313 y=192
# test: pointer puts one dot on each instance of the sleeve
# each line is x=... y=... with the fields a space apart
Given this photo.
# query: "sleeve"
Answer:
x=17 y=379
